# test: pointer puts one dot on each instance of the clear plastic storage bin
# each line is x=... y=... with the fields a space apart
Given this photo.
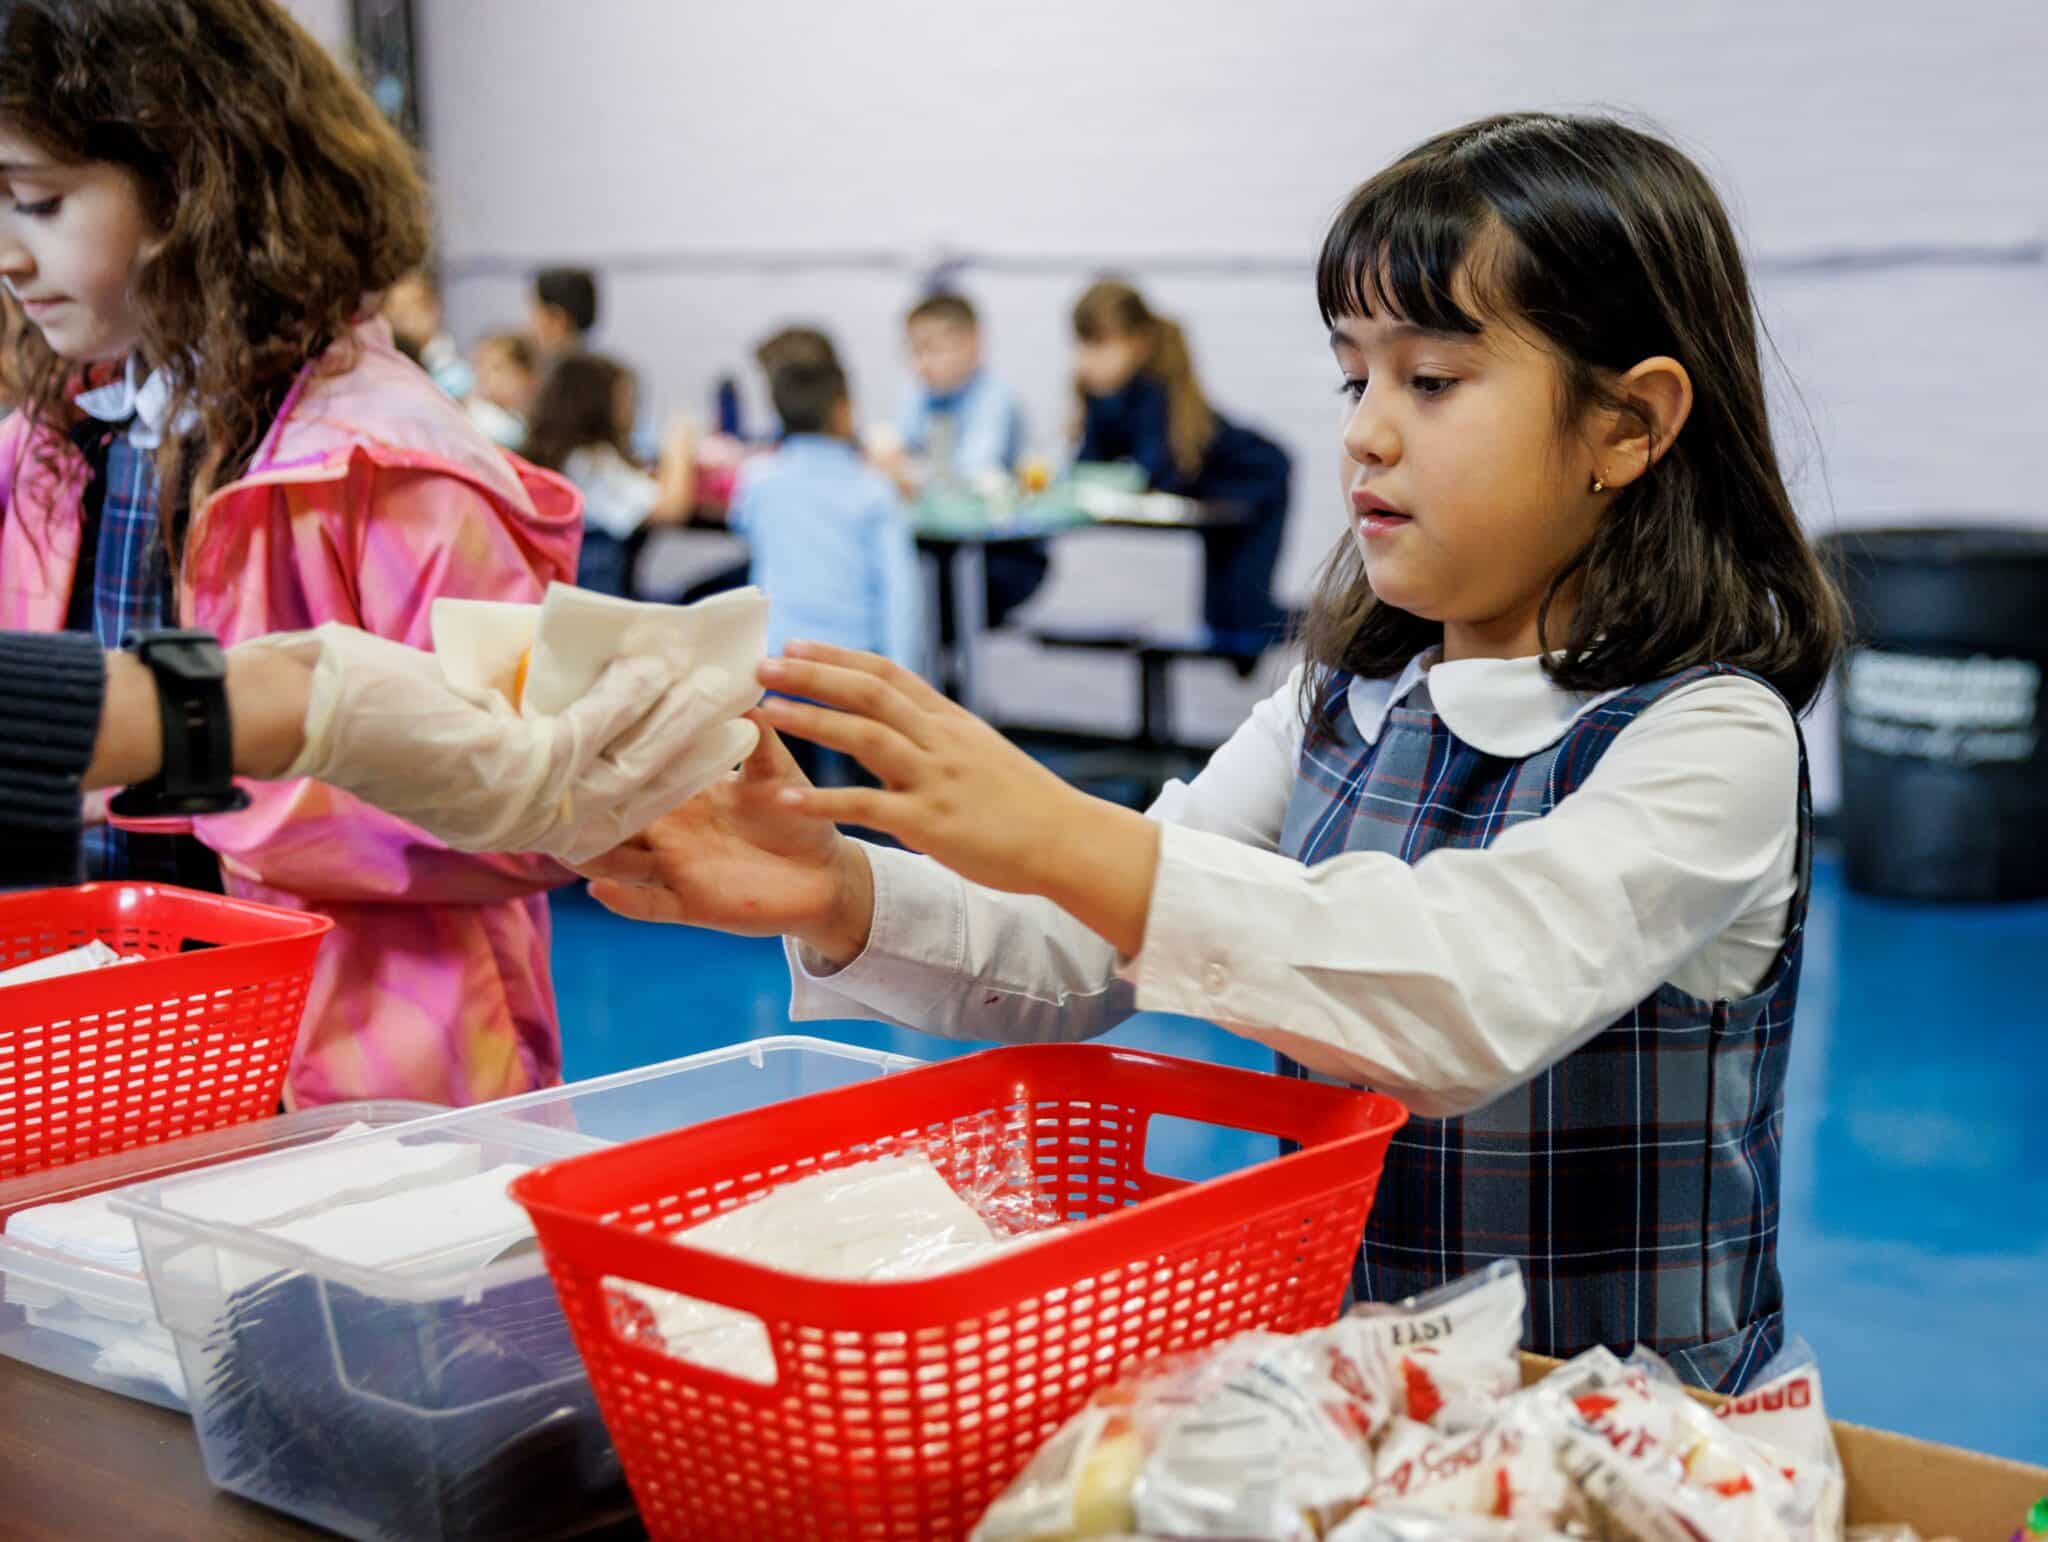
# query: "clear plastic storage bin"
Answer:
x=95 y=1323
x=443 y=1399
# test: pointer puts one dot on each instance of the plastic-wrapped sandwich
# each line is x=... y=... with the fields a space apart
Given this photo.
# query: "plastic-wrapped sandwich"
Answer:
x=1408 y=1423
x=1269 y=1435
x=891 y=1218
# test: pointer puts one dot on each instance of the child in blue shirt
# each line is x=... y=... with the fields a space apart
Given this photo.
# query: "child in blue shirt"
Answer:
x=830 y=542
x=959 y=419
x=962 y=424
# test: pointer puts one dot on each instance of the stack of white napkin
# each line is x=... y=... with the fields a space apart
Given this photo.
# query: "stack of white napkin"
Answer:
x=381 y=1205
x=440 y=1225
x=88 y=1231
x=94 y=955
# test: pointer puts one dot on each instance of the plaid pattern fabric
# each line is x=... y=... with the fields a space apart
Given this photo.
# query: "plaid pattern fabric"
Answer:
x=132 y=592
x=131 y=589
x=1636 y=1180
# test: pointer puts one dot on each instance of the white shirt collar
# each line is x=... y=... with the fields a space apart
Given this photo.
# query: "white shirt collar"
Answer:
x=1505 y=707
x=142 y=404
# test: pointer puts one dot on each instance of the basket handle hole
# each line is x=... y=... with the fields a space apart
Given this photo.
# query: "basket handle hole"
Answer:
x=1193 y=1150
x=700 y=1333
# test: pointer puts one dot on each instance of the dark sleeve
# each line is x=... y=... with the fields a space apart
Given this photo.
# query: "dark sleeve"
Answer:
x=51 y=688
x=1132 y=425
x=1102 y=439
x=1152 y=441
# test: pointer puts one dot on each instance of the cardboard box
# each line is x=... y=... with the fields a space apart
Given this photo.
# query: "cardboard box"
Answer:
x=1940 y=1491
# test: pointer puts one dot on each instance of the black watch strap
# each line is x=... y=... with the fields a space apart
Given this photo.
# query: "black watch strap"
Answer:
x=192 y=691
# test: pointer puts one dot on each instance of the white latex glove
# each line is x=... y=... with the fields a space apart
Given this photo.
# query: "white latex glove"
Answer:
x=382 y=723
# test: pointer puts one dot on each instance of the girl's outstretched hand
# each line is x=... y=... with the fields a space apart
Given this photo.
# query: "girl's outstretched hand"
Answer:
x=737 y=859
x=954 y=788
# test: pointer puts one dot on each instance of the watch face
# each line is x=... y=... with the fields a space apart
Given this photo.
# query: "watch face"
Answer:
x=200 y=660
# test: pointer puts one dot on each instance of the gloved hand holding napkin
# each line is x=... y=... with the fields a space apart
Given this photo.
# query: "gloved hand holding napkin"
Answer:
x=624 y=712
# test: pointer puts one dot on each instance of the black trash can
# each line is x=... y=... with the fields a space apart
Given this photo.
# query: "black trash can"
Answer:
x=1944 y=770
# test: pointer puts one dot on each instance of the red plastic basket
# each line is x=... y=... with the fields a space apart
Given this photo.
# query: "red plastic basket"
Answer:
x=196 y=1038
x=900 y=1410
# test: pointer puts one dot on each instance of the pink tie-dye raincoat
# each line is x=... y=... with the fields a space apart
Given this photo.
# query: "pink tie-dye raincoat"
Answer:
x=371 y=497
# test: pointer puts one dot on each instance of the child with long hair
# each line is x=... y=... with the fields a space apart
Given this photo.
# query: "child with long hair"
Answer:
x=1526 y=841
x=1140 y=400
x=582 y=426
x=201 y=213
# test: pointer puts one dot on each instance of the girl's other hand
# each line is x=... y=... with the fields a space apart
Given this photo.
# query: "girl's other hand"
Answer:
x=952 y=786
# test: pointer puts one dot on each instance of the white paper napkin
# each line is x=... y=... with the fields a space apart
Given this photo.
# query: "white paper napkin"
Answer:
x=573 y=634
x=444 y=1225
x=94 y=955
x=88 y=1231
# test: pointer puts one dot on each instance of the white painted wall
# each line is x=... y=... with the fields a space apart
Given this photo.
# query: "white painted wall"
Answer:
x=732 y=167
x=327 y=20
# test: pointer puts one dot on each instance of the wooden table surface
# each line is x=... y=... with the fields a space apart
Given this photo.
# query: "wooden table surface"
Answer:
x=77 y=1463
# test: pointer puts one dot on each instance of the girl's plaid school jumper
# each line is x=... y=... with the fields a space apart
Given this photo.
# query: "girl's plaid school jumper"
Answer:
x=1636 y=1180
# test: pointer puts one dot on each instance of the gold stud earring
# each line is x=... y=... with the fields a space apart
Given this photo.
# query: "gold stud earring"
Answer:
x=1598 y=485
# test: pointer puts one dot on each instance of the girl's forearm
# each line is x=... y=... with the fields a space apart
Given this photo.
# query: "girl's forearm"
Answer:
x=1099 y=866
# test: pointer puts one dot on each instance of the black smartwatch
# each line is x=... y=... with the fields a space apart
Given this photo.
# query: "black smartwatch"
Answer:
x=199 y=762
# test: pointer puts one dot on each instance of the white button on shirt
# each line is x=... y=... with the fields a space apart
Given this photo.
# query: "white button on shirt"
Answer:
x=1445 y=982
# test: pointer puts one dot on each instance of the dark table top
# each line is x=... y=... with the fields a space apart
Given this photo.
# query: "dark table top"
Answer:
x=76 y=1462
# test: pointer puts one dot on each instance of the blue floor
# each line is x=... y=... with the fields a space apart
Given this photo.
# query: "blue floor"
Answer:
x=1915 y=1241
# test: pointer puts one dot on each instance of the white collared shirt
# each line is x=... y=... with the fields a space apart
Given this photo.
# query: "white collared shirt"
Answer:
x=617 y=495
x=1445 y=982
x=143 y=404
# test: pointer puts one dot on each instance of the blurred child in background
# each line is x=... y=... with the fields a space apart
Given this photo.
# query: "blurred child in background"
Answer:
x=563 y=312
x=507 y=375
x=582 y=427
x=830 y=542
x=419 y=325
x=962 y=425
x=960 y=421
x=795 y=345
x=1140 y=401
